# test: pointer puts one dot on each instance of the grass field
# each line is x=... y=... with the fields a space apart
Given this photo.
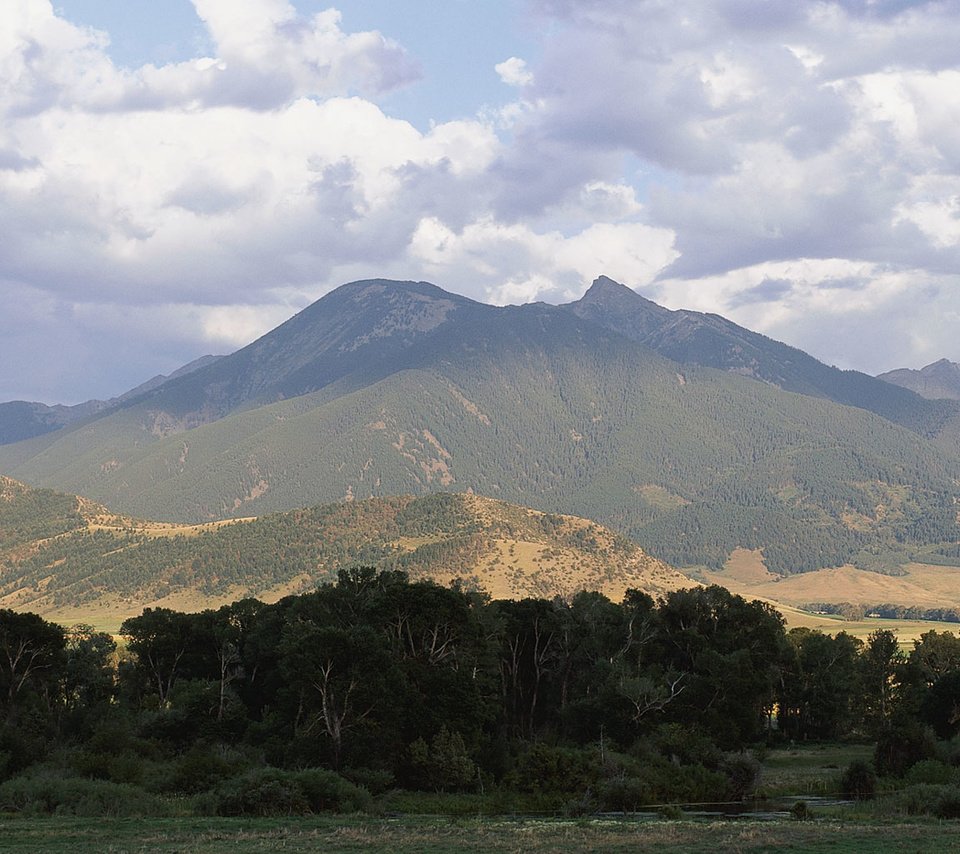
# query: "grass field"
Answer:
x=809 y=770
x=438 y=836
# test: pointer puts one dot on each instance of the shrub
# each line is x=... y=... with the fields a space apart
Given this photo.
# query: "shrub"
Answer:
x=930 y=771
x=542 y=768
x=900 y=748
x=444 y=764
x=46 y=794
x=326 y=791
x=743 y=774
x=925 y=799
x=273 y=792
x=375 y=780
x=858 y=781
x=624 y=794
x=687 y=745
x=948 y=804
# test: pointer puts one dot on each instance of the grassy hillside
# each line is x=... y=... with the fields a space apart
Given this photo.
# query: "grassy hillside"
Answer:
x=102 y=567
x=532 y=405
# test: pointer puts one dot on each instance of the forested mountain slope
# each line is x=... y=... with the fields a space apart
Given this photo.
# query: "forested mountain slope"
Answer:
x=62 y=555
x=20 y=419
x=712 y=340
x=417 y=391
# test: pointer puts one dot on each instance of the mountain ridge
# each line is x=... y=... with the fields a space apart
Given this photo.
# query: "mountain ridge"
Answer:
x=711 y=340
x=939 y=380
x=416 y=391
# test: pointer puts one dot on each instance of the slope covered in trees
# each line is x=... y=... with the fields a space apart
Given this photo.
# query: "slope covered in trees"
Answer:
x=392 y=388
x=82 y=560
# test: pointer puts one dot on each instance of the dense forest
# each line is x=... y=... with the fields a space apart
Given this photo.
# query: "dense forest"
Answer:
x=329 y=699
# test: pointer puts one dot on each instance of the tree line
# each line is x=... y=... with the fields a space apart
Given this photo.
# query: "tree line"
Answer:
x=380 y=682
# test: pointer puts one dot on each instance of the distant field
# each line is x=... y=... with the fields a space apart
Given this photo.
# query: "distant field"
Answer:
x=922 y=585
x=907 y=631
x=425 y=835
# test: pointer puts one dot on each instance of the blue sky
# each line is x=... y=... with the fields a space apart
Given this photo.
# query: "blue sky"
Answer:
x=176 y=183
x=457 y=43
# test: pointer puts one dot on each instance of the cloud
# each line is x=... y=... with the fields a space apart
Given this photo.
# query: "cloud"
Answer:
x=517 y=264
x=266 y=55
x=514 y=72
x=795 y=165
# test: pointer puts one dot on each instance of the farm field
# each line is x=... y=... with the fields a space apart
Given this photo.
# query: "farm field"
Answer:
x=921 y=584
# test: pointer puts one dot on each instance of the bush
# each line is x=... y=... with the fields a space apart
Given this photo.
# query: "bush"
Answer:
x=624 y=794
x=925 y=799
x=46 y=794
x=687 y=746
x=858 y=781
x=743 y=774
x=326 y=791
x=948 y=804
x=375 y=780
x=930 y=771
x=273 y=792
x=444 y=764
x=900 y=748
x=554 y=769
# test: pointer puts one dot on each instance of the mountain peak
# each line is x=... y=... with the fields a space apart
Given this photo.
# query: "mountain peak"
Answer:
x=937 y=381
x=619 y=308
x=604 y=289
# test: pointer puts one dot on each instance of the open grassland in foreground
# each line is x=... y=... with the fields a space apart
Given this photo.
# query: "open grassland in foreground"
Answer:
x=433 y=836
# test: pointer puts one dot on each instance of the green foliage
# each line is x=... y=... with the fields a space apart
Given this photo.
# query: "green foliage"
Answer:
x=858 y=781
x=29 y=514
x=46 y=793
x=274 y=792
x=252 y=708
x=901 y=747
x=933 y=799
x=743 y=773
x=445 y=764
x=930 y=771
x=545 y=769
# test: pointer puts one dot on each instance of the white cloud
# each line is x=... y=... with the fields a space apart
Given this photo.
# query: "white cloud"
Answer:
x=787 y=161
x=514 y=72
x=516 y=263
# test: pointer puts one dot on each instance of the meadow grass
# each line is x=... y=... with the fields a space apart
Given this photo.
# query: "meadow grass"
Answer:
x=438 y=836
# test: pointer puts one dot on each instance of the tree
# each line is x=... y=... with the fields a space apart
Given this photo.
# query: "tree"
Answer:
x=732 y=652
x=89 y=678
x=160 y=639
x=336 y=665
x=31 y=658
x=879 y=665
x=819 y=685
x=529 y=637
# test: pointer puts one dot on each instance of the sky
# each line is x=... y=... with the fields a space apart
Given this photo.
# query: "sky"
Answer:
x=178 y=178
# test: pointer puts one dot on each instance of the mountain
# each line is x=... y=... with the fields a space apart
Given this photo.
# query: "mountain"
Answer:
x=78 y=561
x=20 y=419
x=938 y=381
x=387 y=388
x=708 y=339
